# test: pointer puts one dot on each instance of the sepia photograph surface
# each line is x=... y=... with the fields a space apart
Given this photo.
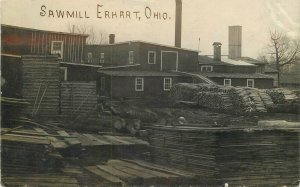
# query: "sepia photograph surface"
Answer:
x=150 y=93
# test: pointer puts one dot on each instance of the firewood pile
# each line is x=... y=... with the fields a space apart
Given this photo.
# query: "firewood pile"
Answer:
x=78 y=100
x=41 y=85
x=238 y=157
x=233 y=99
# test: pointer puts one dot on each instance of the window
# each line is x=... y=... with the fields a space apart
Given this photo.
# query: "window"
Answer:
x=90 y=57
x=63 y=73
x=101 y=58
x=57 y=48
x=207 y=68
x=102 y=86
x=151 y=57
x=250 y=83
x=139 y=84
x=227 y=82
x=167 y=84
x=130 y=58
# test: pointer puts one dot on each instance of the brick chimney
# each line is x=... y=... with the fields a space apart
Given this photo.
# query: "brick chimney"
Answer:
x=111 y=38
x=217 y=51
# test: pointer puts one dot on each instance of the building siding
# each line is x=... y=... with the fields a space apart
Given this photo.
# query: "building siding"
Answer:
x=258 y=83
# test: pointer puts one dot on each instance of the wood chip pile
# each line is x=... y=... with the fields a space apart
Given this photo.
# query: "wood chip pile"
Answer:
x=41 y=85
x=233 y=99
x=78 y=100
x=238 y=157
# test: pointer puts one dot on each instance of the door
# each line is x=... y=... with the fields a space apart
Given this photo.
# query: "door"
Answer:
x=169 y=61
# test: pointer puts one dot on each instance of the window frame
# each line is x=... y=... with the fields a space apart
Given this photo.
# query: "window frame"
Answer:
x=207 y=66
x=61 y=51
x=138 y=84
x=131 y=57
x=154 y=58
x=224 y=83
x=65 y=73
x=165 y=83
x=102 y=57
x=90 y=59
x=252 y=83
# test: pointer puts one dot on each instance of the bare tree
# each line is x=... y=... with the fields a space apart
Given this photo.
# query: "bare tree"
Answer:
x=283 y=51
x=95 y=37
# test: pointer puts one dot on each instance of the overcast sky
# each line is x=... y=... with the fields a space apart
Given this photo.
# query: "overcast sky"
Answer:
x=207 y=19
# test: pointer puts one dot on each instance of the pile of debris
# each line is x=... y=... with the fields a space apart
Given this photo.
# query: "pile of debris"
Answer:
x=231 y=99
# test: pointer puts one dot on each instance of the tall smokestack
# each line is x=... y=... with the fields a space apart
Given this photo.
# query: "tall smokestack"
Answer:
x=111 y=39
x=217 y=51
x=178 y=20
x=235 y=42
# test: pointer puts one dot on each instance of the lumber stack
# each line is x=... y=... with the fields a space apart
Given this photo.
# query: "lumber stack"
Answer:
x=78 y=100
x=139 y=173
x=189 y=150
x=239 y=157
x=24 y=152
x=41 y=85
x=258 y=158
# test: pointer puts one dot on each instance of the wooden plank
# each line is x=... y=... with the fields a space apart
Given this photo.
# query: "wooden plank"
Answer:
x=104 y=175
x=70 y=140
x=96 y=140
x=117 y=139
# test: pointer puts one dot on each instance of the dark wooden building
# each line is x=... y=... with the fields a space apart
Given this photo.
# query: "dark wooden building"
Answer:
x=25 y=41
x=133 y=83
x=150 y=56
x=237 y=72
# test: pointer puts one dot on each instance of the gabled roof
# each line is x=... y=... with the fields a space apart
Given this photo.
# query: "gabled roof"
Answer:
x=145 y=42
x=132 y=73
x=3 y=26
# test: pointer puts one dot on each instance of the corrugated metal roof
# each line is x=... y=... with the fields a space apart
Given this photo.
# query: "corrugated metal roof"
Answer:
x=236 y=75
x=138 y=73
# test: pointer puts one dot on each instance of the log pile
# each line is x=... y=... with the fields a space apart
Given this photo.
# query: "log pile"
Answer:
x=236 y=156
x=78 y=100
x=282 y=96
x=41 y=85
x=231 y=99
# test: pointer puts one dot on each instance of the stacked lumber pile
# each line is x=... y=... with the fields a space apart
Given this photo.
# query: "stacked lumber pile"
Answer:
x=45 y=180
x=259 y=158
x=41 y=85
x=186 y=149
x=282 y=96
x=139 y=173
x=78 y=100
x=236 y=156
x=26 y=151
